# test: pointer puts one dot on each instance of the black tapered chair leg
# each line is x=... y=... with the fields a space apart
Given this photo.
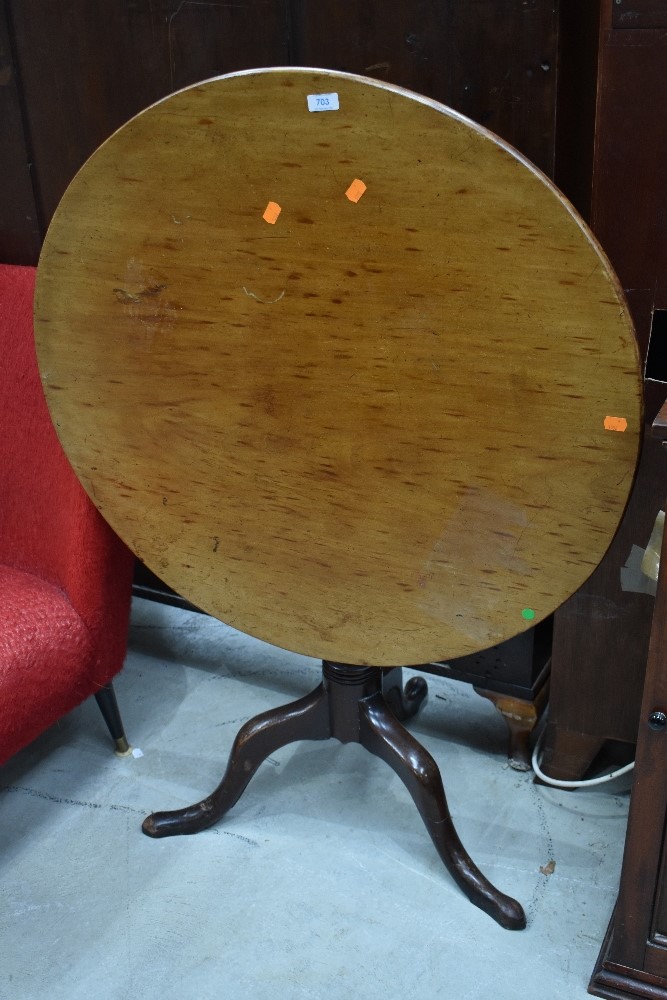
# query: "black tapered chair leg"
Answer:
x=106 y=699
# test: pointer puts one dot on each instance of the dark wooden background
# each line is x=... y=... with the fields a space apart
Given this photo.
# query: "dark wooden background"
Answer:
x=578 y=87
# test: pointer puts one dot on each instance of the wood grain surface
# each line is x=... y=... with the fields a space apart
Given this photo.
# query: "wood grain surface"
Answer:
x=368 y=431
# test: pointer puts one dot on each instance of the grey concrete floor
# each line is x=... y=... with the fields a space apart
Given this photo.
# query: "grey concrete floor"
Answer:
x=320 y=883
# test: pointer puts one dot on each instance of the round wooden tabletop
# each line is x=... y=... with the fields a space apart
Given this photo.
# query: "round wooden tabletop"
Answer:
x=340 y=366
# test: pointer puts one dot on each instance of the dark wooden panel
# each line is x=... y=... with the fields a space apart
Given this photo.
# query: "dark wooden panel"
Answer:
x=635 y=920
x=640 y=14
x=629 y=206
x=492 y=60
x=89 y=65
x=601 y=638
x=19 y=229
x=578 y=34
x=601 y=634
x=515 y=668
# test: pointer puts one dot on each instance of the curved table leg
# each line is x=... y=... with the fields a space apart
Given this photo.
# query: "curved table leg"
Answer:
x=384 y=736
x=521 y=716
x=305 y=719
x=406 y=701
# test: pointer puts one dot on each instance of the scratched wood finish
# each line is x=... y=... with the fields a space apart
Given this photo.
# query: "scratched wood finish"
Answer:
x=370 y=432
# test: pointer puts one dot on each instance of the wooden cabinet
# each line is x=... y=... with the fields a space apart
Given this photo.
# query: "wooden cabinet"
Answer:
x=633 y=961
x=611 y=159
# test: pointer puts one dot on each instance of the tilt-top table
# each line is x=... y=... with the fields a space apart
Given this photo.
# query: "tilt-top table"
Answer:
x=348 y=373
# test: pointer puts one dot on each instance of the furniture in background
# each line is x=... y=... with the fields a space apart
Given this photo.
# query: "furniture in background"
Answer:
x=633 y=959
x=65 y=577
x=611 y=160
x=371 y=393
x=514 y=677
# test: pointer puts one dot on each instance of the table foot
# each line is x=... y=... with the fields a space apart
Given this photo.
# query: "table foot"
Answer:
x=406 y=701
x=521 y=717
x=384 y=736
x=305 y=719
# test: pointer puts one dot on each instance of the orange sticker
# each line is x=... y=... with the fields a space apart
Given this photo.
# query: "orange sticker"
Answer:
x=615 y=423
x=271 y=212
x=355 y=190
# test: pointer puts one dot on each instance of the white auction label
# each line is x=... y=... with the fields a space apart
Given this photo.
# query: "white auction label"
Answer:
x=323 y=102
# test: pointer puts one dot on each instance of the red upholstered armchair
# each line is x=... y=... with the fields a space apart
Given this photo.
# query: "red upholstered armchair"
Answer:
x=65 y=577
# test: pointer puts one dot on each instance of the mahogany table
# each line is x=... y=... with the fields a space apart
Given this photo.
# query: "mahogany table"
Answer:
x=348 y=373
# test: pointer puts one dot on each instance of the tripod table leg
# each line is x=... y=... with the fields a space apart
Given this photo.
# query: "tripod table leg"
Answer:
x=383 y=735
x=305 y=719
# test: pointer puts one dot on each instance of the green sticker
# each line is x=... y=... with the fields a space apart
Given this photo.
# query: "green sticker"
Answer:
x=528 y=614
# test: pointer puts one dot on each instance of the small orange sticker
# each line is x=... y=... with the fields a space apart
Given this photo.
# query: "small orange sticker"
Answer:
x=271 y=212
x=615 y=424
x=355 y=190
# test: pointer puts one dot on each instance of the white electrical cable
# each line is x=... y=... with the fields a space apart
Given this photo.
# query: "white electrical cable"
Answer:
x=556 y=783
